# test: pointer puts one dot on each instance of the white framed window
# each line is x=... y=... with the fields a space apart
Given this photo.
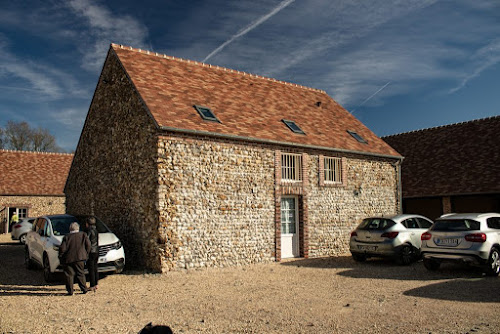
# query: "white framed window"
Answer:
x=291 y=167
x=333 y=170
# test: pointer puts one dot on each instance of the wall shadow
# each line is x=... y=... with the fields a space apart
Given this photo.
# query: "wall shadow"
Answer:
x=477 y=290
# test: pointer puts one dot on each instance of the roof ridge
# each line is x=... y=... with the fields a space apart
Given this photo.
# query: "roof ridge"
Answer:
x=441 y=126
x=194 y=62
x=35 y=152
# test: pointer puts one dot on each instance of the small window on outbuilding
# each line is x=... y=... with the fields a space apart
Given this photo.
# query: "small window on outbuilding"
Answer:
x=357 y=137
x=206 y=113
x=292 y=126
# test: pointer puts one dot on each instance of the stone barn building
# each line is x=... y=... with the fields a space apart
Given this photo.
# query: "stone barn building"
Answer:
x=451 y=168
x=31 y=184
x=194 y=165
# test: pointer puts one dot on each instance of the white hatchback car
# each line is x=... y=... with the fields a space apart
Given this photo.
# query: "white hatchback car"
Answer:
x=43 y=241
x=472 y=238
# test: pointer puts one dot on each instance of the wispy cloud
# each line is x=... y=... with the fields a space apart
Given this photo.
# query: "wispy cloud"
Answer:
x=249 y=28
x=105 y=27
x=483 y=59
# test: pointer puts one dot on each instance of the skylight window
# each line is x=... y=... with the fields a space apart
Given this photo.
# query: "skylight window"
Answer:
x=292 y=126
x=357 y=137
x=206 y=113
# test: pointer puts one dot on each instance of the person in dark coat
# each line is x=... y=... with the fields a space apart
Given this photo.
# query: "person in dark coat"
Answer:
x=94 y=253
x=73 y=253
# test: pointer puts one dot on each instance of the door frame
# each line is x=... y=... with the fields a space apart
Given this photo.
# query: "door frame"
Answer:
x=296 y=235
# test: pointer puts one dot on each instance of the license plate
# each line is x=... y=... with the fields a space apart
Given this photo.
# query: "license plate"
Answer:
x=367 y=248
x=447 y=241
x=102 y=260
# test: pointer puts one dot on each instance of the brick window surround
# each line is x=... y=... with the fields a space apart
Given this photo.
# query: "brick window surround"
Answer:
x=321 y=172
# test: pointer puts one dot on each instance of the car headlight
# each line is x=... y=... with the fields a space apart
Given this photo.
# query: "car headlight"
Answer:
x=117 y=245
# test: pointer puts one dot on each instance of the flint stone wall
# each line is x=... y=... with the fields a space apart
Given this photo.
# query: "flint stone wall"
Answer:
x=217 y=202
x=334 y=211
x=114 y=174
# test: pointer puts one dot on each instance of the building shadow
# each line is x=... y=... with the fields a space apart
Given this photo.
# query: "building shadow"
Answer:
x=477 y=290
x=383 y=268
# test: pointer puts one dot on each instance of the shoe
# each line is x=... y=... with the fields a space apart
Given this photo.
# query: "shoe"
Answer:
x=85 y=291
x=69 y=294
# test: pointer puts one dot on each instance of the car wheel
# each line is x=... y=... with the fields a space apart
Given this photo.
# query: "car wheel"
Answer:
x=406 y=255
x=22 y=238
x=431 y=264
x=493 y=268
x=47 y=275
x=28 y=262
x=359 y=257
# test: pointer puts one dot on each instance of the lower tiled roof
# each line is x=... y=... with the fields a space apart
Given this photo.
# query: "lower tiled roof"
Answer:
x=454 y=159
x=33 y=173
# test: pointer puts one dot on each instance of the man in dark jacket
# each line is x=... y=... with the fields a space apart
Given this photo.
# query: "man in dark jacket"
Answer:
x=73 y=252
x=94 y=253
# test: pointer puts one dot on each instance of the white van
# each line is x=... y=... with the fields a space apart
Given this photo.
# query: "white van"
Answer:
x=43 y=241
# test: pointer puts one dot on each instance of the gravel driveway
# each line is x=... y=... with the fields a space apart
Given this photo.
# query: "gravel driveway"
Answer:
x=328 y=295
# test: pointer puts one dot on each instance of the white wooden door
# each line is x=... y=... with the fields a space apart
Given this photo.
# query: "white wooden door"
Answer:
x=289 y=227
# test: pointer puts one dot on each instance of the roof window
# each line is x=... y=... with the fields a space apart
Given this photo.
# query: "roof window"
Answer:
x=292 y=126
x=206 y=113
x=357 y=137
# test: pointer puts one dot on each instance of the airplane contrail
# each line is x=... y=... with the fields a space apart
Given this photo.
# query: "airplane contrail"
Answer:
x=252 y=26
x=371 y=96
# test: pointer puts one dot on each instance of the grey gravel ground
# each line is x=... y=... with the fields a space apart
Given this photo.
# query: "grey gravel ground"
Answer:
x=328 y=295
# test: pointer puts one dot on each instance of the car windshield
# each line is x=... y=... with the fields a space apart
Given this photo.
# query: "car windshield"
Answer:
x=60 y=225
x=376 y=224
x=100 y=226
x=452 y=225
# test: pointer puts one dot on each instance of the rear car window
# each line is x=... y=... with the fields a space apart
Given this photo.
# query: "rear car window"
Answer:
x=376 y=224
x=456 y=225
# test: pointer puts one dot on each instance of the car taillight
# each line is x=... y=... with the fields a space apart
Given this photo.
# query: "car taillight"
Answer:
x=390 y=235
x=426 y=236
x=354 y=234
x=476 y=237
x=17 y=226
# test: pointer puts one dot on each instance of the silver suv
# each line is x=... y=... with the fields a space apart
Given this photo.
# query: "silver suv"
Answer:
x=396 y=236
x=472 y=238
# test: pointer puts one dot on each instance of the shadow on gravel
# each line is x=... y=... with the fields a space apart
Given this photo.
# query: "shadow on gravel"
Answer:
x=376 y=268
x=324 y=262
x=476 y=290
x=15 y=279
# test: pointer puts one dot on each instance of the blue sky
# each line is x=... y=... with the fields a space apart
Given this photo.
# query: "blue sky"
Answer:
x=397 y=65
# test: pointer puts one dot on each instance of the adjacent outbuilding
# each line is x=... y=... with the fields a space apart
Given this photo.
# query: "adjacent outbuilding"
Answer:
x=31 y=184
x=451 y=168
x=194 y=165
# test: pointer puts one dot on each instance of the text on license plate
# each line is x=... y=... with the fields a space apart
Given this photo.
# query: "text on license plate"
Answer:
x=102 y=260
x=367 y=248
x=446 y=241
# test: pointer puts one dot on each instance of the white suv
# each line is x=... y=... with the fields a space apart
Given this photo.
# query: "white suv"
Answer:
x=43 y=241
x=472 y=238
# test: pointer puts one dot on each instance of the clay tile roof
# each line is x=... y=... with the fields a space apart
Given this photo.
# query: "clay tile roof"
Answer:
x=461 y=158
x=247 y=105
x=33 y=173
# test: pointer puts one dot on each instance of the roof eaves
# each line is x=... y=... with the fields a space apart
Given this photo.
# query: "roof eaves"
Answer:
x=275 y=142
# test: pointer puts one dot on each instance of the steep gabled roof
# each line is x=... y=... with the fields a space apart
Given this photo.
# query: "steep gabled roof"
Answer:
x=33 y=173
x=247 y=106
x=461 y=158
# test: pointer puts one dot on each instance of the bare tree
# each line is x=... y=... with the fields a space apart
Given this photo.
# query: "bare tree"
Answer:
x=43 y=141
x=20 y=136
